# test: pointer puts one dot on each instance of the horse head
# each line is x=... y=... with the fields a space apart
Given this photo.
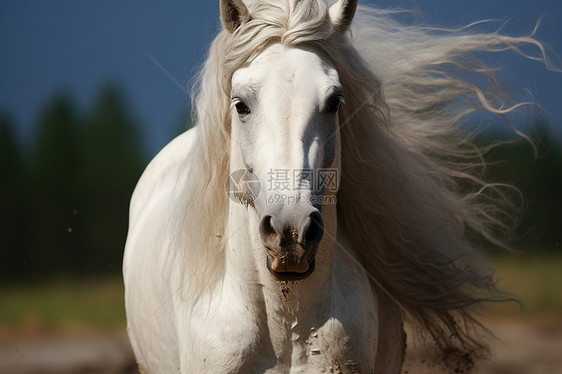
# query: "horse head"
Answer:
x=284 y=108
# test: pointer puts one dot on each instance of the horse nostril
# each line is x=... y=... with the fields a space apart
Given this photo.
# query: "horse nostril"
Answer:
x=268 y=233
x=313 y=229
x=265 y=226
x=278 y=235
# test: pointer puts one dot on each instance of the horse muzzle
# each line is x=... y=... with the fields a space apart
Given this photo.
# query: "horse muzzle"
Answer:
x=291 y=235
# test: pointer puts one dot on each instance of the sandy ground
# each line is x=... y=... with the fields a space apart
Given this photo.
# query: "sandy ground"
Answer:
x=523 y=347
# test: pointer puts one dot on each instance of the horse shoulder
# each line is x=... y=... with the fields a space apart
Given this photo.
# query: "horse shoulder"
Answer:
x=151 y=198
x=162 y=171
x=147 y=297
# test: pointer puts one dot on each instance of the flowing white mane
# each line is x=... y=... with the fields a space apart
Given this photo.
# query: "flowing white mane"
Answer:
x=410 y=186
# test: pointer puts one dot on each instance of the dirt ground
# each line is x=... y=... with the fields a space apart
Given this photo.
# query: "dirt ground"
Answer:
x=54 y=353
x=520 y=347
x=532 y=348
x=523 y=347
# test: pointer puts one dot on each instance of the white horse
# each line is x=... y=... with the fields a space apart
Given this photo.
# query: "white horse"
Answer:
x=348 y=216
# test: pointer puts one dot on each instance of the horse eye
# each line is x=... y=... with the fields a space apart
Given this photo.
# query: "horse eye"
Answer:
x=334 y=104
x=241 y=108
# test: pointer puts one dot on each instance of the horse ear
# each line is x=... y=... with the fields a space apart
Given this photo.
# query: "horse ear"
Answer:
x=341 y=14
x=233 y=14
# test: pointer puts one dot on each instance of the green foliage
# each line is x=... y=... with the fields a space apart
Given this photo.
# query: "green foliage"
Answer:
x=14 y=208
x=53 y=192
x=65 y=210
x=536 y=170
x=111 y=165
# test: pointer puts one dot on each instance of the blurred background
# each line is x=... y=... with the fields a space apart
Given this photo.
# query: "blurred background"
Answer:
x=90 y=91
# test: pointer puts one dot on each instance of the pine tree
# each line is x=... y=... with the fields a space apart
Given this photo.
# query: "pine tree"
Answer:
x=112 y=164
x=13 y=204
x=54 y=194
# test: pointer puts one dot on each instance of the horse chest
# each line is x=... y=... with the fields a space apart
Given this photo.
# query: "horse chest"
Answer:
x=233 y=338
x=324 y=338
x=322 y=349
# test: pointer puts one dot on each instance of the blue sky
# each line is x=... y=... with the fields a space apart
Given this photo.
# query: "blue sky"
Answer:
x=77 y=46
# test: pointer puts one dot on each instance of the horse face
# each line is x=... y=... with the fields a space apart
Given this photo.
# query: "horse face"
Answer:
x=285 y=124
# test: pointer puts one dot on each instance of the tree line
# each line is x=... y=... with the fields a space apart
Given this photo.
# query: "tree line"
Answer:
x=64 y=200
x=534 y=166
